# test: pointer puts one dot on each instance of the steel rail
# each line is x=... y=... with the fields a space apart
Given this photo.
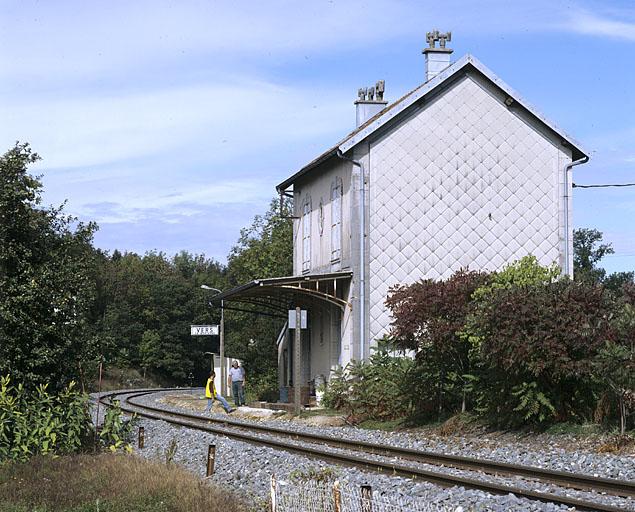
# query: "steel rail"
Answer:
x=562 y=478
x=446 y=480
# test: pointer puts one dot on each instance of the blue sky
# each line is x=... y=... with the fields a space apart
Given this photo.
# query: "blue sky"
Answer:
x=170 y=123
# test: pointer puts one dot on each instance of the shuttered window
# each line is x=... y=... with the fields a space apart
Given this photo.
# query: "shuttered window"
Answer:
x=336 y=220
x=306 y=235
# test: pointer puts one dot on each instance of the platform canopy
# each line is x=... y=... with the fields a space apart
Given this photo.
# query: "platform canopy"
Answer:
x=279 y=294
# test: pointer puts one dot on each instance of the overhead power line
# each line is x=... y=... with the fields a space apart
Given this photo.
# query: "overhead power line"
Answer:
x=575 y=185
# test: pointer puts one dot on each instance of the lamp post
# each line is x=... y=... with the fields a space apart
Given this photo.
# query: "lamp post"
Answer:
x=223 y=372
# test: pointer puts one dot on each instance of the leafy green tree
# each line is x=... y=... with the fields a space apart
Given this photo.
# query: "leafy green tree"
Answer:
x=588 y=251
x=617 y=280
x=46 y=285
x=148 y=304
x=265 y=249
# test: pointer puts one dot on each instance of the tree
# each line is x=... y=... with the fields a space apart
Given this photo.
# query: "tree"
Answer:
x=588 y=251
x=265 y=249
x=46 y=286
x=148 y=304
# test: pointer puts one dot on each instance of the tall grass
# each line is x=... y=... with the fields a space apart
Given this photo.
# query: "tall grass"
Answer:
x=108 y=483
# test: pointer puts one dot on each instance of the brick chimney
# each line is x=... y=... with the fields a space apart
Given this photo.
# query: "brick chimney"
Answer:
x=370 y=101
x=437 y=59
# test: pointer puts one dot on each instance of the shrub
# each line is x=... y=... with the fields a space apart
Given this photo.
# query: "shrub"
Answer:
x=373 y=389
x=536 y=352
x=263 y=386
x=427 y=317
x=115 y=431
x=336 y=391
x=38 y=423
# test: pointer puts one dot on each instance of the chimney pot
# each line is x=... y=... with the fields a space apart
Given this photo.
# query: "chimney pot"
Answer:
x=437 y=59
x=370 y=101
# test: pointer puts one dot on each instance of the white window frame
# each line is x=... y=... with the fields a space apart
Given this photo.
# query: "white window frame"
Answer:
x=306 y=234
x=336 y=219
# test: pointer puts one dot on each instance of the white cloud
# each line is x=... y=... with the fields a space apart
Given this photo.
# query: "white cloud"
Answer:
x=84 y=40
x=219 y=121
x=139 y=204
x=586 y=22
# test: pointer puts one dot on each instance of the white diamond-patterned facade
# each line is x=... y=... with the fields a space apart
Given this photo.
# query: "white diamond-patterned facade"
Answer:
x=463 y=183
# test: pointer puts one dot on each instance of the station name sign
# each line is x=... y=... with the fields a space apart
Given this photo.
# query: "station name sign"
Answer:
x=204 y=330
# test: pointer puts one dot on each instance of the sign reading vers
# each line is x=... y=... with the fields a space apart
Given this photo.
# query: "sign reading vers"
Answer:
x=204 y=330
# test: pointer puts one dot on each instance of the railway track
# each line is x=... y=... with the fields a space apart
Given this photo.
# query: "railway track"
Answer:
x=388 y=459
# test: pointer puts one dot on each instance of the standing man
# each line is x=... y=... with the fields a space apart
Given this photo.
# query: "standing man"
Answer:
x=237 y=379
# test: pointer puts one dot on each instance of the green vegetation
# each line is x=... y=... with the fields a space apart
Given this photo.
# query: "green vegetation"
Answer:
x=520 y=347
x=115 y=433
x=66 y=306
x=46 y=272
x=34 y=422
x=108 y=483
x=376 y=389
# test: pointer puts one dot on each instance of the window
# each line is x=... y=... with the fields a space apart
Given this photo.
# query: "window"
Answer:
x=336 y=219
x=306 y=234
x=321 y=217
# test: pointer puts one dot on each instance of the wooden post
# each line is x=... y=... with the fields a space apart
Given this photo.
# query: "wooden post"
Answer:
x=211 y=457
x=142 y=438
x=297 y=363
x=337 y=497
x=367 y=498
x=97 y=429
x=272 y=492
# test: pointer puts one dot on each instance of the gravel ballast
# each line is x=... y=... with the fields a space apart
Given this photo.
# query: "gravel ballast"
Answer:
x=247 y=468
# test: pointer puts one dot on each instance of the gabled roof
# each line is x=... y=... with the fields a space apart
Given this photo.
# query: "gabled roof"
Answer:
x=394 y=109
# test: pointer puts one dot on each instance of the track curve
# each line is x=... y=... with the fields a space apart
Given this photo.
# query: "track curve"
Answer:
x=244 y=432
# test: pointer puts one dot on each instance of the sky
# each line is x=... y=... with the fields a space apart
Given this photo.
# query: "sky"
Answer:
x=170 y=123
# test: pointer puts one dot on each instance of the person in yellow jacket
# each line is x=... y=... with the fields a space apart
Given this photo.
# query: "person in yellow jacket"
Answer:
x=211 y=394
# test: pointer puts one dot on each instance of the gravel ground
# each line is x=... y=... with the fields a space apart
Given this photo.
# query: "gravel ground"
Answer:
x=247 y=468
x=564 y=453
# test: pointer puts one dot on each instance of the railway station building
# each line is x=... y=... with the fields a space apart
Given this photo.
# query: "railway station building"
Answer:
x=460 y=172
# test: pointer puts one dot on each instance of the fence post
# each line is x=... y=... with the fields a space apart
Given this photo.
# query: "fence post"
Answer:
x=142 y=438
x=367 y=498
x=211 y=457
x=337 y=497
x=272 y=491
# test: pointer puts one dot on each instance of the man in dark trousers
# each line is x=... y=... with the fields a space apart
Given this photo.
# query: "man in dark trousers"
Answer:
x=236 y=379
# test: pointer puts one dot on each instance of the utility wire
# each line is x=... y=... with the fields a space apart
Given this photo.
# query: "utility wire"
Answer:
x=605 y=186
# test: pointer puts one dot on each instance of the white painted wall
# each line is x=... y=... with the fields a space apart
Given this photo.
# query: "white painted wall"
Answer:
x=318 y=188
x=464 y=182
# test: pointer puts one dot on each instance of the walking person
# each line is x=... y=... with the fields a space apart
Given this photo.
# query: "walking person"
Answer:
x=236 y=378
x=211 y=394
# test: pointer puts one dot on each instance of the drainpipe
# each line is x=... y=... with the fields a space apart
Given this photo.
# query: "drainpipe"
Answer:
x=566 y=269
x=362 y=242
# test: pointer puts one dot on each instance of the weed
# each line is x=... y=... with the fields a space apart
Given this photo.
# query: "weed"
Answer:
x=170 y=451
x=107 y=483
x=314 y=474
